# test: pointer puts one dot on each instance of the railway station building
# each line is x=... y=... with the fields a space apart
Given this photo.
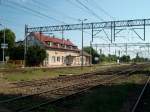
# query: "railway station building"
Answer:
x=60 y=52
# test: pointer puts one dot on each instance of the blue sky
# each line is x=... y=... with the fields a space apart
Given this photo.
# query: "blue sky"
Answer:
x=69 y=11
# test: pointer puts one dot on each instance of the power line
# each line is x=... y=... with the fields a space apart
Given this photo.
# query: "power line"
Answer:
x=101 y=9
x=16 y=9
x=77 y=5
x=40 y=3
x=59 y=12
x=91 y=11
x=34 y=11
x=11 y=22
x=11 y=6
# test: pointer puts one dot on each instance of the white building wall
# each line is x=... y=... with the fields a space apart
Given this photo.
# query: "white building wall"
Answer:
x=58 y=58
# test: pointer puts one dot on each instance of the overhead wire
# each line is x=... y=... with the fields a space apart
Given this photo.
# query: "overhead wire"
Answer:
x=16 y=9
x=100 y=8
x=90 y=10
x=11 y=22
x=47 y=7
x=40 y=3
x=77 y=5
x=11 y=6
x=35 y=11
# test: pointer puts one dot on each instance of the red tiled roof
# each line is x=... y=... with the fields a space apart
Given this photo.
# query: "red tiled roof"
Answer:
x=44 y=39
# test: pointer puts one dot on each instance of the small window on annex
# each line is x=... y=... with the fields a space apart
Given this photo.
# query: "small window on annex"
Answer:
x=58 y=59
x=53 y=59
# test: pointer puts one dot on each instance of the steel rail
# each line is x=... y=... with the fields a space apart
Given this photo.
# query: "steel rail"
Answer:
x=140 y=96
x=80 y=91
x=25 y=96
x=41 y=83
x=128 y=71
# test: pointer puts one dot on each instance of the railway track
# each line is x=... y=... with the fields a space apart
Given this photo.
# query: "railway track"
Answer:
x=64 y=78
x=141 y=103
x=58 y=93
x=19 y=69
x=30 y=87
x=87 y=81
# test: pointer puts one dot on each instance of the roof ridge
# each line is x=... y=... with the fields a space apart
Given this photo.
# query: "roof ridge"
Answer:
x=45 y=38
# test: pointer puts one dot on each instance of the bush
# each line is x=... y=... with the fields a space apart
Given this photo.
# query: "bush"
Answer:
x=35 y=56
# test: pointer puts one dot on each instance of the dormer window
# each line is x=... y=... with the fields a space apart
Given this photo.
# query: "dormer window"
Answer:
x=50 y=43
x=58 y=45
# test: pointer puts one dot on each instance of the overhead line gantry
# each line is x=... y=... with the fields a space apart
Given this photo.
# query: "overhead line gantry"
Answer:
x=114 y=26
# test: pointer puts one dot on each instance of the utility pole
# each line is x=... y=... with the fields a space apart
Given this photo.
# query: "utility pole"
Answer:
x=25 y=45
x=82 y=21
x=109 y=54
x=62 y=32
x=126 y=48
x=119 y=54
x=4 y=47
x=100 y=51
x=91 y=52
x=148 y=52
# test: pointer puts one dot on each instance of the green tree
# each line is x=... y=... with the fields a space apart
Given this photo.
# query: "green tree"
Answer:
x=112 y=58
x=9 y=39
x=17 y=53
x=94 y=53
x=103 y=58
x=139 y=59
x=35 y=56
x=125 y=58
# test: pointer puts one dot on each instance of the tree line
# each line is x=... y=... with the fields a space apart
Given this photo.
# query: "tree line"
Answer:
x=102 y=58
x=35 y=54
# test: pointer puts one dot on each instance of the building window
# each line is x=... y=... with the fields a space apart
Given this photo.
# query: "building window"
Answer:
x=46 y=61
x=53 y=59
x=62 y=59
x=58 y=59
x=58 y=45
x=50 y=43
x=49 y=58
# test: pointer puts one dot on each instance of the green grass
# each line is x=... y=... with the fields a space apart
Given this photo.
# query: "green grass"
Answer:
x=5 y=66
x=41 y=73
x=33 y=74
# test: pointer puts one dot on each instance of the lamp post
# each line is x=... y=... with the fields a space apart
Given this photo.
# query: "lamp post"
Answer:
x=91 y=53
x=3 y=45
x=82 y=22
x=4 y=48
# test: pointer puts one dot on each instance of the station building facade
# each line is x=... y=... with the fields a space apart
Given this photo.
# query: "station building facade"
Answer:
x=60 y=52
